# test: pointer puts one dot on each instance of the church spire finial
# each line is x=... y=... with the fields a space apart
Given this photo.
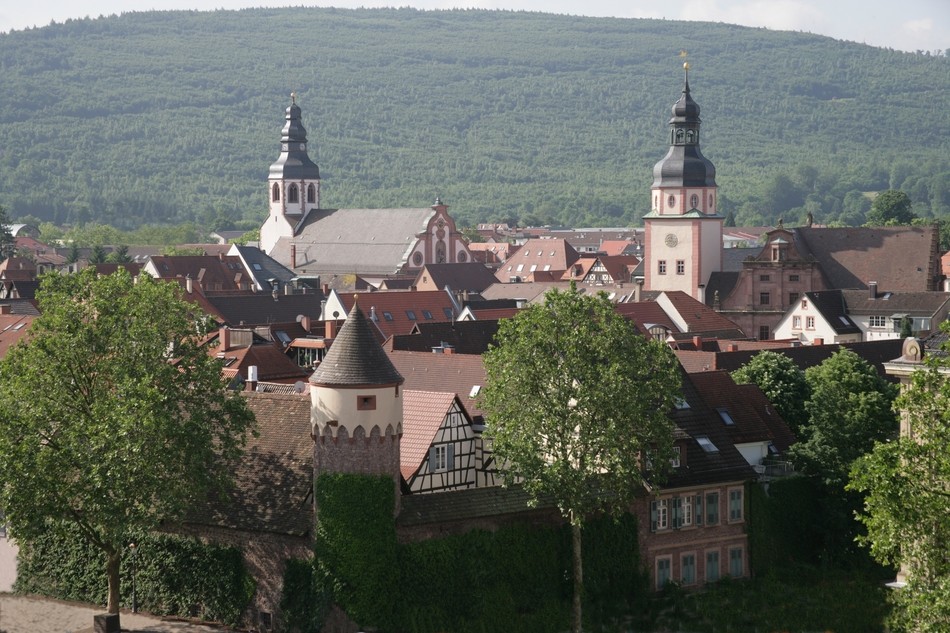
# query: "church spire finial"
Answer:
x=293 y=98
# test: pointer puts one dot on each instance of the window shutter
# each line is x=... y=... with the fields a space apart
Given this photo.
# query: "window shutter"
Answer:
x=450 y=457
x=698 y=511
x=677 y=504
x=432 y=459
x=653 y=516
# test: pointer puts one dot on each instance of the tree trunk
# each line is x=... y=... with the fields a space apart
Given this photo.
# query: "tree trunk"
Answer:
x=576 y=620
x=112 y=569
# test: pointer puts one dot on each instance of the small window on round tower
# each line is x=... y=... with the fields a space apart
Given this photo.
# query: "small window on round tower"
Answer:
x=366 y=403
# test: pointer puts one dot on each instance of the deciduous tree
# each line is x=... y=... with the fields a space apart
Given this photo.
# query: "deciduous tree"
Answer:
x=891 y=207
x=112 y=416
x=575 y=401
x=906 y=484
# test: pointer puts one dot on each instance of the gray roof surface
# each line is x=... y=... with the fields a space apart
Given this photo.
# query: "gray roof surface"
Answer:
x=831 y=305
x=356 y=358
x=361 y=241
x=261 y=266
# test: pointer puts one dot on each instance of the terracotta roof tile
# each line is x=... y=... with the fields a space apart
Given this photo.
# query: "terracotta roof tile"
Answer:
x=423 y=414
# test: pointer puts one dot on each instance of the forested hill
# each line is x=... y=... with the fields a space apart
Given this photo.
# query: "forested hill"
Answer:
x=167 y=117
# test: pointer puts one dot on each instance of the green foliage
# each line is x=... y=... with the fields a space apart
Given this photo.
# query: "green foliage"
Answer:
x=174 y=575
x=574 y=398
x=782 y=382
x=889 y=208
x=7 y=242
x=106 y=403
x=907 y=508
x=167 y=117
x=304 y=602
x=849 y=410
x=356 y=545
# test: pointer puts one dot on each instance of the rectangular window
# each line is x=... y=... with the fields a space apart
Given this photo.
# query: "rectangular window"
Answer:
x=688 y=569
x=793 y=277
x=686 y=511
x=388 y=316
x=792 y=298
x=764 y=333
x=680 y=267
x=660 y=514
x=804 y=304
x=796 y=323
x=675 y=460
x=366 y=403
x=877 y=321
x=736 y=564
x=426 y=314
x=735 y=504
x=764 y=278
x=663 y=564
x=661 y=267
x=712 y=566
x=411 y=315
x=441 y=457
x=810 y=323
x=764 y=298
x=712 y=508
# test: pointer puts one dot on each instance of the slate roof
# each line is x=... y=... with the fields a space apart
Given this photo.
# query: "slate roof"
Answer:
x=467 y=504
x=466 y=337
x=899 y=258
x=327 y=243
x=473 y=277
x=918 y=304
x=755 y=420
x=830 y=304
x=423 y=412
x=453 y=373
x=261 y=267
x=21 y=306
x=356 y=358
x=274 y=479
x=262 y=308
x=702 y=467
x=875 y=352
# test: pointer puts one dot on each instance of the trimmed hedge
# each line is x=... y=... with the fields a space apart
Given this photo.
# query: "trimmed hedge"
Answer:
x=174 y=575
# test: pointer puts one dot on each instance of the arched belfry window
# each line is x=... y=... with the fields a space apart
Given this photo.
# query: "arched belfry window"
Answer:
x=293 y=193
x=275 y=193
x=311 y=193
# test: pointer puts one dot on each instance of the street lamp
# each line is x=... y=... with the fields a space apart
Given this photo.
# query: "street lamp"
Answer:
x=134 y=605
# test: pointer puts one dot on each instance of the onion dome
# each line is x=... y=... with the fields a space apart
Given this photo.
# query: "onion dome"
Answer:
x=684 y=165
x=293 y=162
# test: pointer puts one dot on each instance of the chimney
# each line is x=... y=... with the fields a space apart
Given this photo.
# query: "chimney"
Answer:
x=818 y=341
x=189 y=284
x=288 y=289
x=329 y=329
x=293 y=256
x=732 y=347
x=224 y=339
x=251 y=384
x=698 y=342
x=5 y=309
x=305 y=323
x=326 y=289
x=872 y=290
x=448 y=349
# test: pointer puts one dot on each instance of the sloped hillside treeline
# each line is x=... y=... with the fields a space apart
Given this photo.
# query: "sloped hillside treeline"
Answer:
x=171 y=117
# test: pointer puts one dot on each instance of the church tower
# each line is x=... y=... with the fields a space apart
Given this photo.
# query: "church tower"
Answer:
x=293 y=182
x=356 y=405
x=683 y=242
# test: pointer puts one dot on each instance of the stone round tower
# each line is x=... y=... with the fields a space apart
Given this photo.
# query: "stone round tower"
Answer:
x=356 y=399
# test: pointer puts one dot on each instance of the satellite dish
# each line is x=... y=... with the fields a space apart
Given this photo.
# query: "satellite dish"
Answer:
x=336 y=314
x=299 y=386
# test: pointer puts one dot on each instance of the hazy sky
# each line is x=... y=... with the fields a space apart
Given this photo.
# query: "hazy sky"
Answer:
x=901 y=24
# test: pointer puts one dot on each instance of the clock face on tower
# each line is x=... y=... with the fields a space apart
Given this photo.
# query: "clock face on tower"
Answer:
x=671 y=240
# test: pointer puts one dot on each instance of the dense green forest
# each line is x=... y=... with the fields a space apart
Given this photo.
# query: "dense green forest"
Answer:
x=174 y=117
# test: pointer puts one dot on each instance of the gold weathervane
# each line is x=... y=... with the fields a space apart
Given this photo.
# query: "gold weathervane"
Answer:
x=293 y=97
x=684 y=54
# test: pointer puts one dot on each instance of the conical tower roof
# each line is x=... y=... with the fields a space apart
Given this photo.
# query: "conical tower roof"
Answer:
x=356 y=357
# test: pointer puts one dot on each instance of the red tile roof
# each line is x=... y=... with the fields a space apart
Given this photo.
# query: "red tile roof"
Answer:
x=422 y=414
x=392 y=308
x=454 y=373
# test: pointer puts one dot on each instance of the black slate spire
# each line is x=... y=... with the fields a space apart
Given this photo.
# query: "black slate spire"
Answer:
x=684 y=165
x=293 y=162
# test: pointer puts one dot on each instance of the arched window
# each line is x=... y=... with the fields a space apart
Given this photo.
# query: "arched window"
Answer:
x=311 y=193
x=275 y=193
x=293 y=193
